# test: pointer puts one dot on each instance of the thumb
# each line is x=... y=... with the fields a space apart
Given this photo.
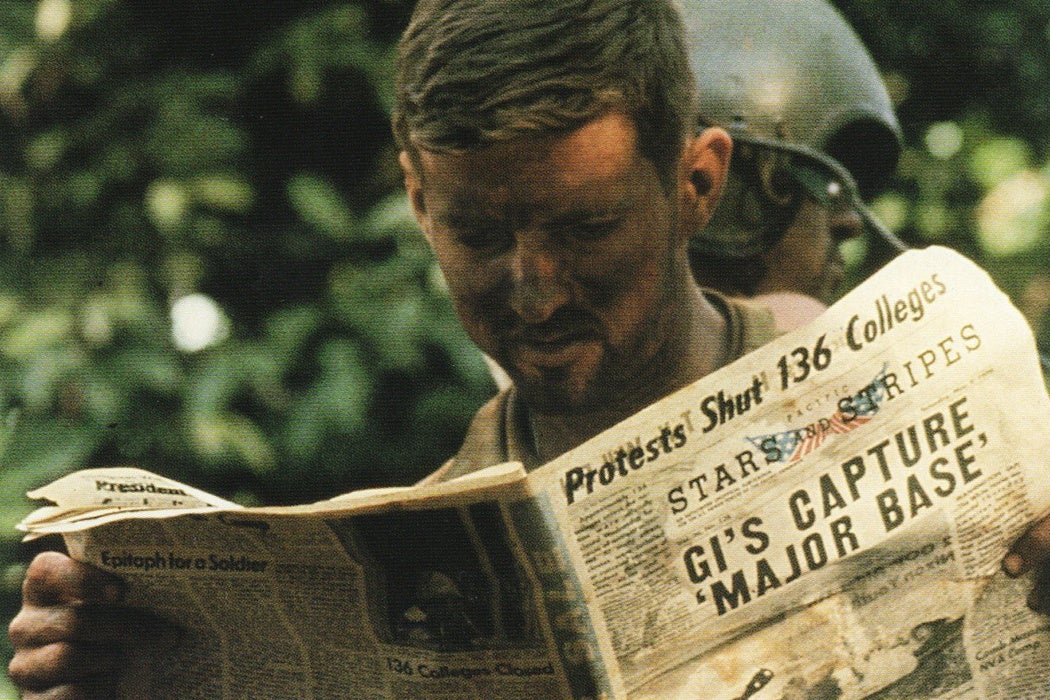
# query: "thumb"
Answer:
x=1030 y=551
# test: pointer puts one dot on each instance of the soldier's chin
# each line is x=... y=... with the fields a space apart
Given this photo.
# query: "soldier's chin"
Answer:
x=555 y=392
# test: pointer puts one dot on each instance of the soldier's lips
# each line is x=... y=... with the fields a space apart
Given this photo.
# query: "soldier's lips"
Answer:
x=553 y=349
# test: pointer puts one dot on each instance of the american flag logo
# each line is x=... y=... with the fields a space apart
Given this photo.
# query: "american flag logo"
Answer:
x=793 y=444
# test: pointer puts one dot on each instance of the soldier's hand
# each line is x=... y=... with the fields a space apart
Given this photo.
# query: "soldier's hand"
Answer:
x=67 y=636
x=1031 y=552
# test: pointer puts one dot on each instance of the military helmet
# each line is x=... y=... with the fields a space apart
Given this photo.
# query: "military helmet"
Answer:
x=806 y=107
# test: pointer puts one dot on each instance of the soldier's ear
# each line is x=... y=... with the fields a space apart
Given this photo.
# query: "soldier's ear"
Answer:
x=705 y=166
x=701 y=182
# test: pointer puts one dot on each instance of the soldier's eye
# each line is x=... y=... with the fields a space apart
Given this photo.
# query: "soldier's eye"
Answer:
x=585 y=230
x=595 y=230
x=484 y=239
x=482 y=235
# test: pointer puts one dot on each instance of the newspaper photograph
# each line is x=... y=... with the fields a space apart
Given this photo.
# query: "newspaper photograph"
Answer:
x=823 y=518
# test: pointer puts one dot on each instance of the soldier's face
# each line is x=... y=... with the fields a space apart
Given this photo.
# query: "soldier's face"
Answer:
x=807 y=259
x=561 y=256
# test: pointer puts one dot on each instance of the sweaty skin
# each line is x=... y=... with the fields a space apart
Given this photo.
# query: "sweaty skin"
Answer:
x=566 y=261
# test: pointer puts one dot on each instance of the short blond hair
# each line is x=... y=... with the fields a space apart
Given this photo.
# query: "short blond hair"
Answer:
x=476 y=72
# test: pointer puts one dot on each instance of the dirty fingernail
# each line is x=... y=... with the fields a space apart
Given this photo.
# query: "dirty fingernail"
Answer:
x=1012 y=564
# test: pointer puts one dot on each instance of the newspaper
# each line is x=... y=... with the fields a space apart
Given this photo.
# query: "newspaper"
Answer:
x=824 y=518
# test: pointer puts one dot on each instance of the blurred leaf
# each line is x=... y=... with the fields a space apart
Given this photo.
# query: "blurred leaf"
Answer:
x=933 y=221
x=225 y=193
x=335 y=403
x=393 y=217
x=188 y=132
x=46 y=150
x=288 y=329
x=35 y=332
x=150 y=369
x=9 y=308
x=385 y=302
x=997 y=159
x=167 y=203
x=218 y=378
x=44 y=376
x=41 y=450
x=1015 y=215
x=944 y=139
x=332 y=40
x=892 y=210
x=182 y=272
x=232 y=437
x=320 y=205
x=16 y=207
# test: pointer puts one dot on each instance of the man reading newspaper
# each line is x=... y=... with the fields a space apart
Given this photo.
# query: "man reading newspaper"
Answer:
x=547 y=156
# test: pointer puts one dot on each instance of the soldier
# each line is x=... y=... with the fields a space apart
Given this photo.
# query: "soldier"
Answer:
x=813 y=131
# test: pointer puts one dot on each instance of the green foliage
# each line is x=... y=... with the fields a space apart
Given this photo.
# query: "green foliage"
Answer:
x=970 y=82
x=224 y=171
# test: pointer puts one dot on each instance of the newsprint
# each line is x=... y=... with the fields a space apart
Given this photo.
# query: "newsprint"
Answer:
x=822 y=519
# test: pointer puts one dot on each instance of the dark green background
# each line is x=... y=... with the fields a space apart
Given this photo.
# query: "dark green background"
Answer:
x=151 y=149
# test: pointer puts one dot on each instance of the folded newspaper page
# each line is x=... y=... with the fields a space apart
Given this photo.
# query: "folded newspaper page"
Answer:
x=822 y=519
